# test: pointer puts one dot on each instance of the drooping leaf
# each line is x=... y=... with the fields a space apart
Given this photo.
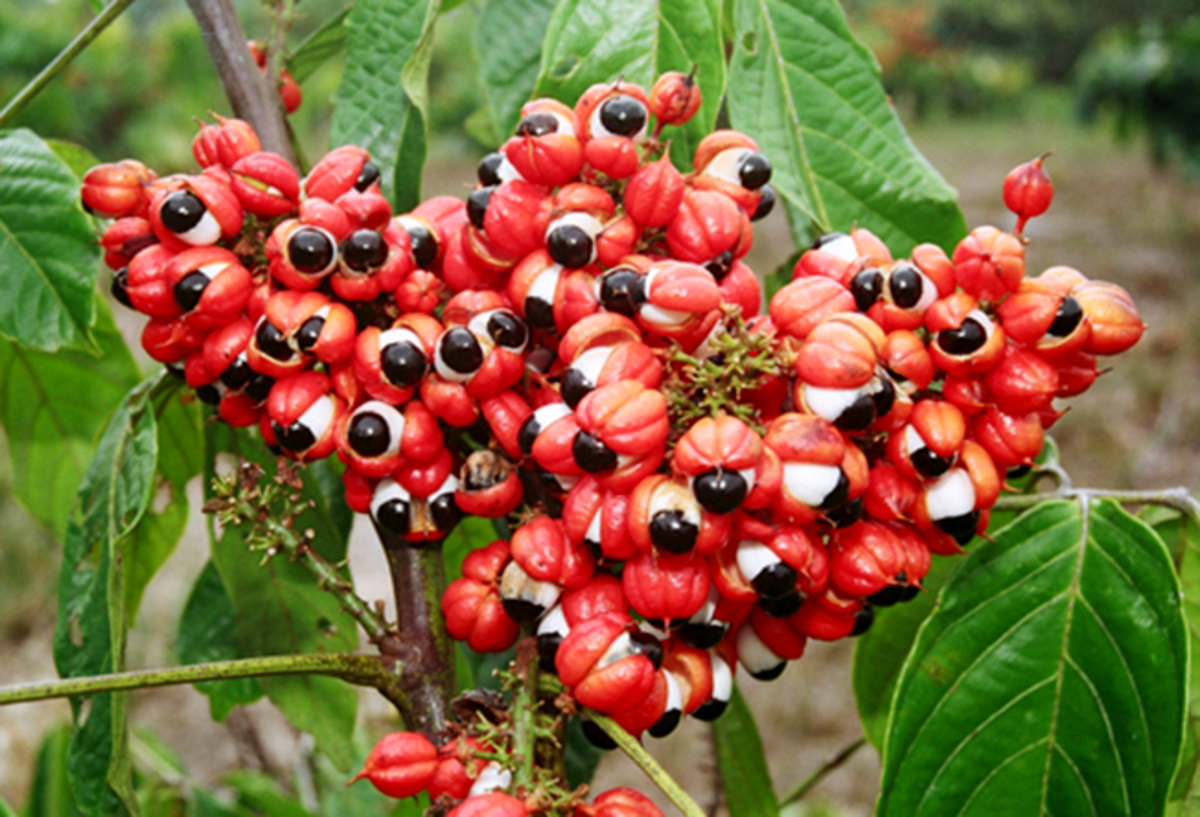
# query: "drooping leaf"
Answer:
x=208 y=632
x=382 y=102
x=1051 y=677
x=48 y=252
x=89 y=636
x=809 y=93
x=747 y=783
x=50 y=795
x=508 y=40
x=323 y=44
x=279 y=609
x=590 y=41
x=53 y=407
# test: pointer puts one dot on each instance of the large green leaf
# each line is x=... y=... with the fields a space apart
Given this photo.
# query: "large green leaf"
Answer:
x=279 y=609
x=325 y=43
x=1050 y=679
x=809 y=93
x=747 y=783
x=508 y=40
x=48 y=252
x=382 y=103
x=52 y=407
x=89 y=637
x=590 y=41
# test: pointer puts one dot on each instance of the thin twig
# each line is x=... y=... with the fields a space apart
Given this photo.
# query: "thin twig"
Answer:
x=819 y=775
x=92 y=30
x=657 y=774
x=1178 y=498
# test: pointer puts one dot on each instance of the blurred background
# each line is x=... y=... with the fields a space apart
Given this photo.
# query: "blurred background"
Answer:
x=1111 y=88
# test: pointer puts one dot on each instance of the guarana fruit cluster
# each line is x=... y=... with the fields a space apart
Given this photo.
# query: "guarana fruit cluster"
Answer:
x=579 y=349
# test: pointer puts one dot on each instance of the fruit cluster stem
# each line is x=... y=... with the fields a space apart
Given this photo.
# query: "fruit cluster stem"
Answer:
x=657 y=774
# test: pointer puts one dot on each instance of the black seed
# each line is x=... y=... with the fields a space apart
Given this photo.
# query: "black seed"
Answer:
x=770 y=673
x=766 y=203
x=570 y=246
x=538 y=123
x=310 y=250
x=647 y=645
x=754 y=171
x=366 y=177
x=960 y=528
x=906 y=286
x=866 y=287
x=847 y=514
x=702 y=636
x=182 y=211
x=528 y=433
x=120 y=286
x=1069 y=314
x=523 y=612
x=237 y=374
x=547 y=647
x=189 y=290
x=1018 y=472
x=710 y=710
x=782 y=606
x=393 y=516
x=840 y=494
x=911 y=591
x=623 y=115
x=445 y=512
x=720 y=490
x=777 y=580
x=863 y=620
x=539 y=314
x=296 y=438
x=424 y=245
x=720 y=266
x=666 y=724
x=208 y=394
x=460 y=351
x=594 y=549
x=592 y=455
x=623 y=291
x=574 y=387
x=963 y=340
x=259 y=387
x=273 y=343
x=669 y=531
x=507 y=330
x=477 y=204
x=403 y=364
x=827 y=238
x=884 y=397
x=892 y=594
x=858 y=415
x=364 y=250
x=597 y=736
x=309 y=333
x=487 y=169
x=369 y=435
x=929 y=464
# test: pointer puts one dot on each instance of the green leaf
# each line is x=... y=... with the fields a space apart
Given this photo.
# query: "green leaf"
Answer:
x=48 y=252
x=323 y=44
x=472 y=533
x=208 y=632
x=748 y=789
x=809 y=93
x=53 y=407
x=279 y=609
x=261 y=794
x=50 y=795
x=326 y=475
x=582 y=755
x=508 y=40
x=1051 y=677
x=89 y=637
x=76 y=157
x=590 y=41
x=382 y=102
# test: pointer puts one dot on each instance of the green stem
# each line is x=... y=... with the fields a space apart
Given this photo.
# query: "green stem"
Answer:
x=100 y=22
x=819 y=775
x=362 y=670
x=657 y=774
x=524 y=709
x=1178 y=498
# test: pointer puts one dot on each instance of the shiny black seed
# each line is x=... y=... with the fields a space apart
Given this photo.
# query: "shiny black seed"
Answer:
x=960 y=528
x=827 y=238
x=884 y=397
x=570 y=246
x=477 y=204
x=911 y=591
x=839 y=495
x=666 y=724
x=847 y=514
x=647 y=645
x=906 y=286
x=120 y=286
x=858 y=415
x=592 y=455
x=364 y=250
x=487 y=169
x=781 y=606
x=538 y=123
x=366 y=177
x=424 y=245
x=623 y=291
x=892 y=594
x=766 y=203
x=208 y=394
x=237 y=374
x=309 y=333
x=547 y=647
x=720 y=266
x=1067 y=319
x=369 y=434
x=528 y=433
x=523 y=612
x=597 y=736
x=393 y=516
x=770 y=673
x=507 y=330
x=1018 y=472
x=964 y=340
x=669 y=531
x=702 y=636
x=720 y=490
x=461 y=351
x=273 y=343
x=623 y=115
x=259 y=387
x=310 y=250
x=754 y=171
x=777 y=580
x=403 y=364
x=710 y=710
x=182 y=211
x=863 y=620
x=866 y=287
x=189 y=290
x=539 y=314
x=574 y=387
x=296 y=438
x=929 y=464
x=445 y=512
